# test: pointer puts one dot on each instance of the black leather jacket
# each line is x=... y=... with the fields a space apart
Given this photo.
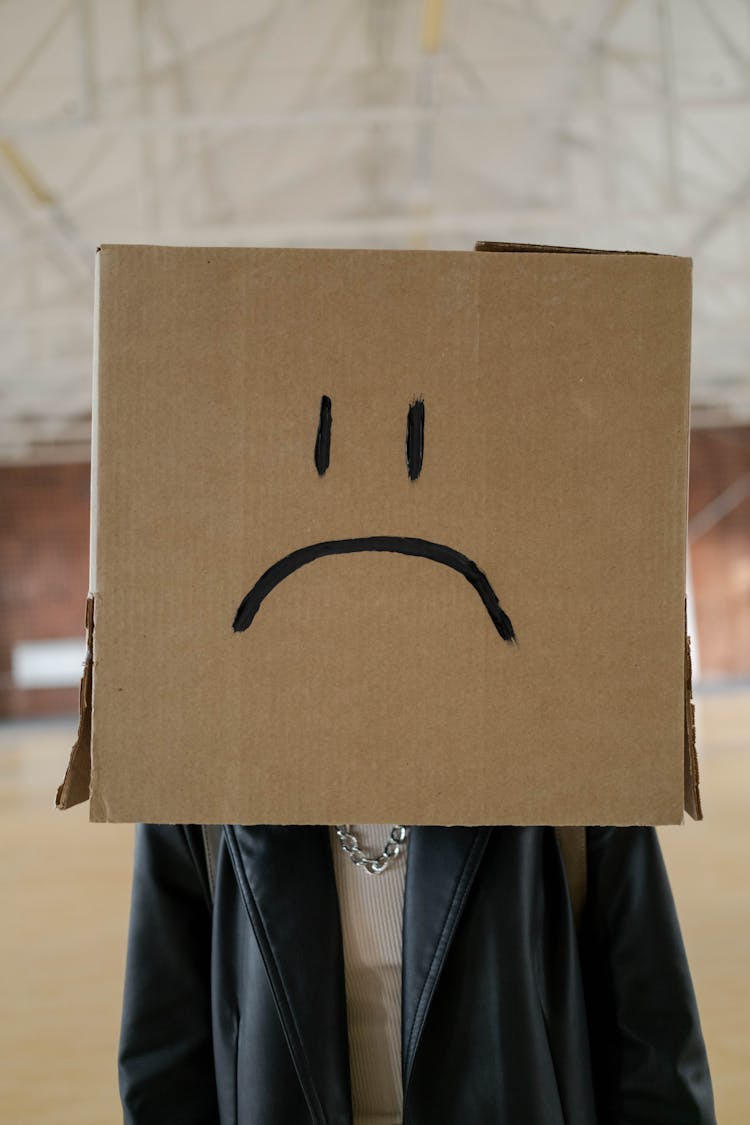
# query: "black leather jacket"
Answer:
x=237 y=1014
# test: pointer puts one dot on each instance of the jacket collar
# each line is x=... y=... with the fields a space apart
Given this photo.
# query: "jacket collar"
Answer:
x=287 y=882
x=442 y=864
x=285 y=876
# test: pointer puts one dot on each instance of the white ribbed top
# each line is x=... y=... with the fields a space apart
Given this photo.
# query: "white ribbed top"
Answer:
x=371 y=908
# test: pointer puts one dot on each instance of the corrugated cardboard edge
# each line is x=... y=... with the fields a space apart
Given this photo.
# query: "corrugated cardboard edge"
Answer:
x=692 y=777
x=76 y=786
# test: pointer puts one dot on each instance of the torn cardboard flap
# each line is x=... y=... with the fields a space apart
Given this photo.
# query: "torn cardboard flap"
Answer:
x=539 y=248
x=388 y=536
x=692 y=777
x=77 y=782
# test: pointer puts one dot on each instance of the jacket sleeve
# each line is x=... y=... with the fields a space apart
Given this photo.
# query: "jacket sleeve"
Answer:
x=649 y=1057
x=165 y=1057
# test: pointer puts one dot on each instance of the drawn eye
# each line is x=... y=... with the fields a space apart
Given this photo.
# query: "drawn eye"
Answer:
x=415 y=438
x=323 y=438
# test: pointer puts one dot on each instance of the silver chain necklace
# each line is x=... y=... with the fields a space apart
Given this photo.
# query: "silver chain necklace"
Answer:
x=374 y=864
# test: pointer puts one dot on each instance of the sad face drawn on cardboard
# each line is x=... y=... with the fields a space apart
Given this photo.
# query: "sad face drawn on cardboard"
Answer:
x=405 y=545
x=373 y=684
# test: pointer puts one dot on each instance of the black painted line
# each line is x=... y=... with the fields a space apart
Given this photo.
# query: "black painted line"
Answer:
x=323 y=437
x=280 y=570
x=415 y=438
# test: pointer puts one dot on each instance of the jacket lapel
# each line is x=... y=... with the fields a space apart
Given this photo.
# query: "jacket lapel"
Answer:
x=442 y=863
x=286 y=878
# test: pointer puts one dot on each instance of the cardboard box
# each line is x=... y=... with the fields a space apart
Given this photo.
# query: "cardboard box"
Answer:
x=388 y=536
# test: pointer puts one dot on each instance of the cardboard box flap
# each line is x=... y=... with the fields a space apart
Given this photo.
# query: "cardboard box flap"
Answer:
x=76 y=785
x=540 y=248
x=692 y=779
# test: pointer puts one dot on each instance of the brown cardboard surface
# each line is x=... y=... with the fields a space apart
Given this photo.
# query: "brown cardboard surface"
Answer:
x=373 y=685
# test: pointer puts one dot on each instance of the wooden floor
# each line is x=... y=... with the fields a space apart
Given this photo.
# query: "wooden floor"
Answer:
x=64 y=886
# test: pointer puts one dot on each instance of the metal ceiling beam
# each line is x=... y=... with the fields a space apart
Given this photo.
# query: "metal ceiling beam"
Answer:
x=348 y=117
x=738 y=58
x=423 y=160
x=572 y=72
x=87 y=55
x=282 y=145
x=44 y=39
x=670 y=118
x=714 y=221
x=149 y=167
x=689 y=128
x=403 y=225
x=26 y=196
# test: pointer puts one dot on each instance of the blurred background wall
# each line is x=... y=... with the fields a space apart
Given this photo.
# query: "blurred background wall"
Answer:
x=420 y=124
x=44 y=568
x=719 y=548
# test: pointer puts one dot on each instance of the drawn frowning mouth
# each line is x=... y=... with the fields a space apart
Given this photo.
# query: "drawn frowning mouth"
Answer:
x=439 y=552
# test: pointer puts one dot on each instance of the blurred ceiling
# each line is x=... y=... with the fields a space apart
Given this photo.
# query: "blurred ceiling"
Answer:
x=398 y=123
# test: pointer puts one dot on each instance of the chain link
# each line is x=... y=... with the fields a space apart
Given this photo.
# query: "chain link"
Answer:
x=395 y=843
